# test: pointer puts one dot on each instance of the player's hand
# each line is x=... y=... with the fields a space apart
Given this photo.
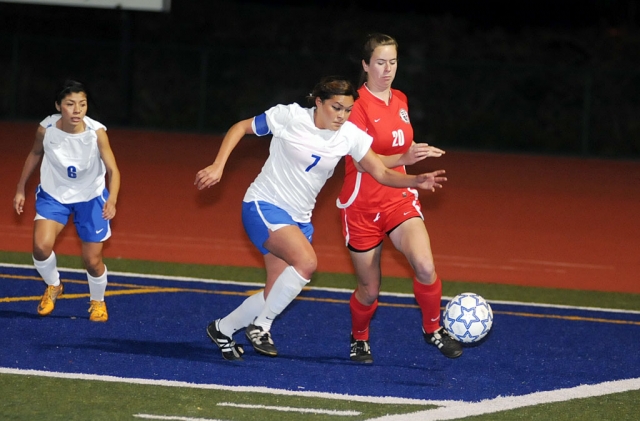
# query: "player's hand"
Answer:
x=431 y=180
x=419 y=151
x=18 y=203
x=208 y=176
x=109 y=210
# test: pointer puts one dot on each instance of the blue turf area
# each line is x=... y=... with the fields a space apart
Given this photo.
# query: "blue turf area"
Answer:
x=156 y=330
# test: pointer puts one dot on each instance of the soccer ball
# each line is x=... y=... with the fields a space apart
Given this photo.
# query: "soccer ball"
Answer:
x=468 y=317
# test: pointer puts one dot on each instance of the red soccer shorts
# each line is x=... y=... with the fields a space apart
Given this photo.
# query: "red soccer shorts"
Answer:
x=364 y=230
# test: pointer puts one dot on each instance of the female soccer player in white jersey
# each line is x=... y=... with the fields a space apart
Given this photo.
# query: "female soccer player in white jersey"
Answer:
x=75 y=155
x=371 y=211
x=306 y=146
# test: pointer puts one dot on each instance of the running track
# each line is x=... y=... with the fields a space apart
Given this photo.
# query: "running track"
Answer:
x=543 y=221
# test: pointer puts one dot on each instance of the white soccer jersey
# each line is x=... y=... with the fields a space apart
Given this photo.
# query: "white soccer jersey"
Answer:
x=72 y=170
x=301 y=159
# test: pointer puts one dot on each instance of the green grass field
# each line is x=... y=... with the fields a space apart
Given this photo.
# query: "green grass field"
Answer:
x=30 y=396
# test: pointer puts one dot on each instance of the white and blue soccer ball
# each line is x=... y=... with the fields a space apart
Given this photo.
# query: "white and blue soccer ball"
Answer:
x=468 y=317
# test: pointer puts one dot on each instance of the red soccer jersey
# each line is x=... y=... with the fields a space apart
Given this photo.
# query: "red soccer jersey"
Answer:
x=392 y=134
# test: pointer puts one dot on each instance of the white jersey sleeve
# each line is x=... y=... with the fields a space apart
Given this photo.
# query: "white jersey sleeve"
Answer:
x=50 y=120
x=359 y=140
x=94 y=125
x=274 y=120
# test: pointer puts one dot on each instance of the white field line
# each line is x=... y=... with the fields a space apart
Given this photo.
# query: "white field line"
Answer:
x=171 y=418
x=339 y=290
x=249 y=389
x=291 y=409
x=463 y=410
x=449 y=410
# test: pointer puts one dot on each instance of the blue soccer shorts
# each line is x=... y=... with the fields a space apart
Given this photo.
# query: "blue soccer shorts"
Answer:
x=87 y=216
x=260 y=217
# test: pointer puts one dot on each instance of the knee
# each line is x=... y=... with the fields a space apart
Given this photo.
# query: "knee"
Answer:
x=368 y=291
x=41 y=251
x=307 y=266
x=426 y=272
x=94 y=265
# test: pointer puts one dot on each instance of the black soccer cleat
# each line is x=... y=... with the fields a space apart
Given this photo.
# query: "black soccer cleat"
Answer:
x=230 y=350
x=261 y=340
x=443 y=340
x=360 y=351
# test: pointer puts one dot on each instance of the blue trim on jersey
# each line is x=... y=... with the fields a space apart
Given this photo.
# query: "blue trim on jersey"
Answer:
x=90 y=127
x=260 y=125
x=258 y=216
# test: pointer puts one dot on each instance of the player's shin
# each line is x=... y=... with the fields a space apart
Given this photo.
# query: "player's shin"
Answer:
x=243 y=315
x=285 y=289
x=97 y=285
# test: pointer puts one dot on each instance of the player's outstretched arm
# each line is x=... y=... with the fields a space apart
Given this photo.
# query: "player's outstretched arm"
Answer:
x=372 y=164
x=212 y=174
x=431 y=180
x=417 y=152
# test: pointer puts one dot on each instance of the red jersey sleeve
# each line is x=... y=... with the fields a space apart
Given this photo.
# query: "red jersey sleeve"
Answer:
x=400 y=96
x=358 y=115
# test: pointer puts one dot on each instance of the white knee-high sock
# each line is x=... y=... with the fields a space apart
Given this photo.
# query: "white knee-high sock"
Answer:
x=243 y=315
x=97 y=286
x=285 y=289
x=48 y=269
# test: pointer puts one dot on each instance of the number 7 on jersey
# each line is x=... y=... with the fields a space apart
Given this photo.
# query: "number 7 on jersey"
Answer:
x=316 y=158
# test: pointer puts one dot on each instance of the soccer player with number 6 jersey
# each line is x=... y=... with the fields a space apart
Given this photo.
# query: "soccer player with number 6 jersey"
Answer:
x=76 y=156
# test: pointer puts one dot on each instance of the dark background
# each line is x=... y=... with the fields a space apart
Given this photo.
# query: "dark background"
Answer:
x=556 y=77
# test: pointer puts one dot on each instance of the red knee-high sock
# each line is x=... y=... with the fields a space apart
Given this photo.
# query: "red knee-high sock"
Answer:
x=428 y=298
x=361 y=316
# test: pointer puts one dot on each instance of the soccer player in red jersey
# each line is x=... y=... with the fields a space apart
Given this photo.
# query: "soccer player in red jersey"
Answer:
x=370 y=210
